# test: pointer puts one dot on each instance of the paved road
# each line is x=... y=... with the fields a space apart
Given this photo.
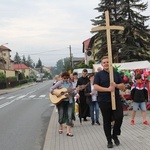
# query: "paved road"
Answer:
x=24 y=117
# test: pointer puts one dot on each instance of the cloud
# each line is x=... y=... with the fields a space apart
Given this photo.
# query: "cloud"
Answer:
x=32 y=26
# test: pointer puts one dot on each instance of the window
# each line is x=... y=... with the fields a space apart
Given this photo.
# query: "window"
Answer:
x=4 y=54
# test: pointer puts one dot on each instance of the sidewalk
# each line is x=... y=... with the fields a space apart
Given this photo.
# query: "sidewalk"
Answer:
x=9 y=90
x=88 y=137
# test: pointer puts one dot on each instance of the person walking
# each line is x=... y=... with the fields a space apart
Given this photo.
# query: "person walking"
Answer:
x=56 y=79
x=91 y=99
x=104 y=87
x=65 y=106
x=139 y=95
x=84 y=110
x=74 y=79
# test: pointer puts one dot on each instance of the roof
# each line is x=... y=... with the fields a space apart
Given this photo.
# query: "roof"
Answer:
x=133 y=65
x=87 y=44
x=4 y=48
x=20 y=66
x=77 y=59
x=127 y=65
x=49 y=68
x=11 y=60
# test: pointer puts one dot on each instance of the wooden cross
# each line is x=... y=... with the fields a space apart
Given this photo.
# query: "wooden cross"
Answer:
x=108 y=28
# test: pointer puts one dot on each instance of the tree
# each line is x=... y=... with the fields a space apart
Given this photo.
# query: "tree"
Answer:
x=29 y=62
x=55 y=71
x=60 y=66
x=17 y=58
x=24 y=60
x=39 y=64
x=66 y=66
x=134 y=40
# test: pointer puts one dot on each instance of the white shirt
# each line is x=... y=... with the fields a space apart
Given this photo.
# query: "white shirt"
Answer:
x=94 y=96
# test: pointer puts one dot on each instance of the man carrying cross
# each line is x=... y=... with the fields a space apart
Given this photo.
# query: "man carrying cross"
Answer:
x=108 y=83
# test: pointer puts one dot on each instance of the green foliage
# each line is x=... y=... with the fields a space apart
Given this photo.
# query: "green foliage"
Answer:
x=17 y=58
x=60 y=66
x=29 y=62
x=66 y=65
x=91 y=64
x=82 y=65
x=11 y=79
x=21 y=76
x=2 y=76
x=47 y=75
x=39 y=64
x=134 y=40
x=24 y=60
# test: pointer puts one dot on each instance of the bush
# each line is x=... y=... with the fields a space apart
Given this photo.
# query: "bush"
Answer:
x=12 y=81
x=2 y=77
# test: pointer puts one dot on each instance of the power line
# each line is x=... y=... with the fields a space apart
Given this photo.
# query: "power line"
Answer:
x=44 y=51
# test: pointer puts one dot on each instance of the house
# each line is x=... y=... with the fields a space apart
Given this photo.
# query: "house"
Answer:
x=33 y=73
x=47 y=69
x=10 y=69
x=77 y=60
x=6 y=64
x=22 y=68
x=88 y=50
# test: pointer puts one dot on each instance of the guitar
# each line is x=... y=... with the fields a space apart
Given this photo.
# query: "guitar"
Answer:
x=56 y=100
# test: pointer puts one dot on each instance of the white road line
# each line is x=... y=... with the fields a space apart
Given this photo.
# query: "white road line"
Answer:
x=7 y=103
x=17 y=98
x=32 y=96
x=21 y=96
x=42 y=95
x=10 y=97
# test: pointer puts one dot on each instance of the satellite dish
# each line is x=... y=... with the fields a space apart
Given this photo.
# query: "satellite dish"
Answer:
x=89 y=53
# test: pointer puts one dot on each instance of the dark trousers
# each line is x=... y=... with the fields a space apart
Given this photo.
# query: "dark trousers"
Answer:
x=110 y=115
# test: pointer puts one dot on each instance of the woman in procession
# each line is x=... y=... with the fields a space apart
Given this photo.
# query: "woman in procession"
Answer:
x=65 y=107
x=91 y=100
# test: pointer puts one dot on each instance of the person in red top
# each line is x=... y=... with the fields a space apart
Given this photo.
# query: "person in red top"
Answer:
x=139 y=95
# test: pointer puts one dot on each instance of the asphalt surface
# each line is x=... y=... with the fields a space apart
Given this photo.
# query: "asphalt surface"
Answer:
x=24 y=113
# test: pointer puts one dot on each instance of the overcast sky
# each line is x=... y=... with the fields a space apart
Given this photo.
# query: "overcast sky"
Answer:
x=45 y=28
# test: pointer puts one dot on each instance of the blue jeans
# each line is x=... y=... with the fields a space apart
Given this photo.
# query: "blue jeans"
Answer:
x=140 y=105
x=94 y=106
x=65 y=112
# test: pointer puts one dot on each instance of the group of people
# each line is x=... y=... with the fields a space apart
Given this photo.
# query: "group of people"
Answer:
x=93 y=93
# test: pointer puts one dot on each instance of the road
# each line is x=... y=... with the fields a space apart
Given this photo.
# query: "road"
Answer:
x=24 y=117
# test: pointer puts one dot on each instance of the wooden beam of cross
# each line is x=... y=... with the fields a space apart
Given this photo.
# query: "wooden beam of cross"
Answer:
x=108 y=28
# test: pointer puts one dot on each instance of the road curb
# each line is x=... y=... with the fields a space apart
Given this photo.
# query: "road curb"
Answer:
x=49 y=134
x=6 y=91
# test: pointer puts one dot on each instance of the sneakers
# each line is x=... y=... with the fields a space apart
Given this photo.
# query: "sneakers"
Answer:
x=146 y=122
x=132 y=122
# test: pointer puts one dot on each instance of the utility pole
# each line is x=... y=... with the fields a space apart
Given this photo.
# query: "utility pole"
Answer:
x=70 y=57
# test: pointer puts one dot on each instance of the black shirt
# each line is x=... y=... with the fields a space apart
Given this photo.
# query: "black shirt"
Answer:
x=82 y=81
x=139 y=92
x=102 y=79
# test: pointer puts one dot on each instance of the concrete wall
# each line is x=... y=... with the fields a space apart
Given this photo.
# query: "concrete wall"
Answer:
x=9 y=73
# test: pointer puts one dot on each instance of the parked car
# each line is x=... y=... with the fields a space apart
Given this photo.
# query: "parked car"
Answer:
x=39 y=79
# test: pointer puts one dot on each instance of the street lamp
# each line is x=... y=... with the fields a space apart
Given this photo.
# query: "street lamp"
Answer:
x=4 y=44
x=119 y=51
